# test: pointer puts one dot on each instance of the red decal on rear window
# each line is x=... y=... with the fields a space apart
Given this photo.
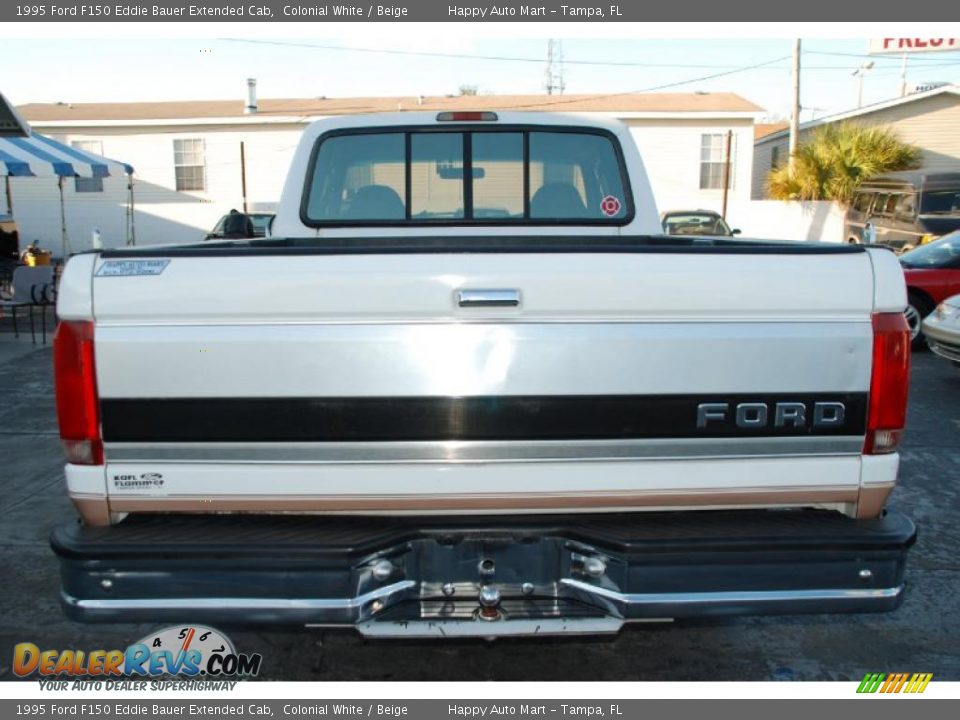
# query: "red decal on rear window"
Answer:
x=610 y=206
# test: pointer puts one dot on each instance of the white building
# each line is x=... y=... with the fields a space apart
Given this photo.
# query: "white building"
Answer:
x=187 y=155
x=929 y=119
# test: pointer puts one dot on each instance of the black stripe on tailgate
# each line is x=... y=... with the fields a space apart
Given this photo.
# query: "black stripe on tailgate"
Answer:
x=550 y=417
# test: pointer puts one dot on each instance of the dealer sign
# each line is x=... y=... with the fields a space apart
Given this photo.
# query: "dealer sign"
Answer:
x=899 y=46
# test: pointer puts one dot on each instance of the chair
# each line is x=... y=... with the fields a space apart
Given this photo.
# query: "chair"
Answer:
x=32 y=287
x=557 y=201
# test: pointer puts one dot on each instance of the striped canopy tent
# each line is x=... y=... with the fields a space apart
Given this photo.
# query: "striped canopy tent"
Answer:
x=38 y=156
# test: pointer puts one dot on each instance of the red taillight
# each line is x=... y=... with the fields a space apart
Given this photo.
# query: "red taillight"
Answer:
x=889 y=383
x=78 y=410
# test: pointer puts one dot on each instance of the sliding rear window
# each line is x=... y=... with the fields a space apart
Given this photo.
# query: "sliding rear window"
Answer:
x=466 y=176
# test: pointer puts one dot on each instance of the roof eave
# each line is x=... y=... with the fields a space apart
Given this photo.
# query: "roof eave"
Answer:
x=166 y=122
x=858 y=112
x=264 y=119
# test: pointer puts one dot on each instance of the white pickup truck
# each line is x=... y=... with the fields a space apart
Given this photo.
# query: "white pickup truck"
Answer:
x=469 y=388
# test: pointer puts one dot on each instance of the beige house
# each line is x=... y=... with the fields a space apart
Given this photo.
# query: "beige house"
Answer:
x=929 y=120
x=193 y=160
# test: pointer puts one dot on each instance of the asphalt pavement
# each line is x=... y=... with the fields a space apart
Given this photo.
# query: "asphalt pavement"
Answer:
x=922 y=635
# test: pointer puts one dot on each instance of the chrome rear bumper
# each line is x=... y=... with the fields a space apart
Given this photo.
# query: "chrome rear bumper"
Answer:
x=488 y=577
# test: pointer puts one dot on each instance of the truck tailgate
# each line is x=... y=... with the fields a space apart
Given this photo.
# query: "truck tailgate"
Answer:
x=358 y=383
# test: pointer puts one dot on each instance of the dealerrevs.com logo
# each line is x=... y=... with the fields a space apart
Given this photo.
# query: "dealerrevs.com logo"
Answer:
x=185 y=651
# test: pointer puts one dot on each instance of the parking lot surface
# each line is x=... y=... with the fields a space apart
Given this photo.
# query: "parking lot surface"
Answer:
x=922 y=635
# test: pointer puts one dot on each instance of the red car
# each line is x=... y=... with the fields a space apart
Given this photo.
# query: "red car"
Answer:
x=933 y=274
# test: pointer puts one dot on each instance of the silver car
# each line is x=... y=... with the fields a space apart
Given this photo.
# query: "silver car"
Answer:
x=942 y=329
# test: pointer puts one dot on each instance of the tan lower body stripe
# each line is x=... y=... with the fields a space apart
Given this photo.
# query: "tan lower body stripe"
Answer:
x=498 y=501
x=869 y=502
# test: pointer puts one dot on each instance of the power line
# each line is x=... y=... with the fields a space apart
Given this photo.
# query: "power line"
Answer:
x=468 y=56
x=664 y=86
x=887 y=58
x=652 y=88
x=849 y=67
x=932 y=62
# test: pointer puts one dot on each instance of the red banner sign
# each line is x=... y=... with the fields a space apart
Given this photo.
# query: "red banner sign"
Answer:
x=898 y=46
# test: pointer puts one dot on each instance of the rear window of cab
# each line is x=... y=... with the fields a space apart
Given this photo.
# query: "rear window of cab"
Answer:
x=464 y=176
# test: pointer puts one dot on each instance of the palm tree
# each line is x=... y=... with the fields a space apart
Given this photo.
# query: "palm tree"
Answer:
x=837 y=158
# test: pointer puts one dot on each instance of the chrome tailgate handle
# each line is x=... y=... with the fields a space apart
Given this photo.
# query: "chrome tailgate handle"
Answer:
x=488 y=298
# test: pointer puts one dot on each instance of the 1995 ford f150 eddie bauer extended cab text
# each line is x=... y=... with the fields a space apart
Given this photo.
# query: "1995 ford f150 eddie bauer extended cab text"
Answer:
x=469 y=388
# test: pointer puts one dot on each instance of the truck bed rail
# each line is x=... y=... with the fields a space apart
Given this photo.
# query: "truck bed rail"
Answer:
x=493 y=243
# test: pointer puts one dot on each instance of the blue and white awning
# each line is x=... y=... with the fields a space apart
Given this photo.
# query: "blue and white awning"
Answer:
x=40 y=156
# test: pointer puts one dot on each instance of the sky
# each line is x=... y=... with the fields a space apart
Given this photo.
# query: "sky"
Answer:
x=87 y=70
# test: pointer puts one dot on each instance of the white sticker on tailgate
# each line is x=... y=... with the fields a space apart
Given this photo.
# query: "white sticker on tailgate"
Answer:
x=148 y=483
x=126 y=268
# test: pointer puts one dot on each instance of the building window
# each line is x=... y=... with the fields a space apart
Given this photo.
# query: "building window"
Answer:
x=190 y=165
x=775 y=157
x=712 y=153
x=91 y=184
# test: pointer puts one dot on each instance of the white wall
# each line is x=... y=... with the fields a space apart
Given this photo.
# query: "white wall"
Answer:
x=268 y=154
x=671 y=153
x=777 y=220
x=670 y=148
x=763 y=162
x=162 y=214
x=36 y=208
x=37 y=212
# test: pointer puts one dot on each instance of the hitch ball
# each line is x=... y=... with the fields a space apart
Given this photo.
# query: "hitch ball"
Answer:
x=489 y=596
x=489 y=600
x=594 y=567
x=382 y=570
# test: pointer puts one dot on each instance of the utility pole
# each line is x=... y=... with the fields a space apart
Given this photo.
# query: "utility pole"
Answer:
x=553 y=81
x=859 y=73
x=795 y=111
x=726 y=173
x=243 y=175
